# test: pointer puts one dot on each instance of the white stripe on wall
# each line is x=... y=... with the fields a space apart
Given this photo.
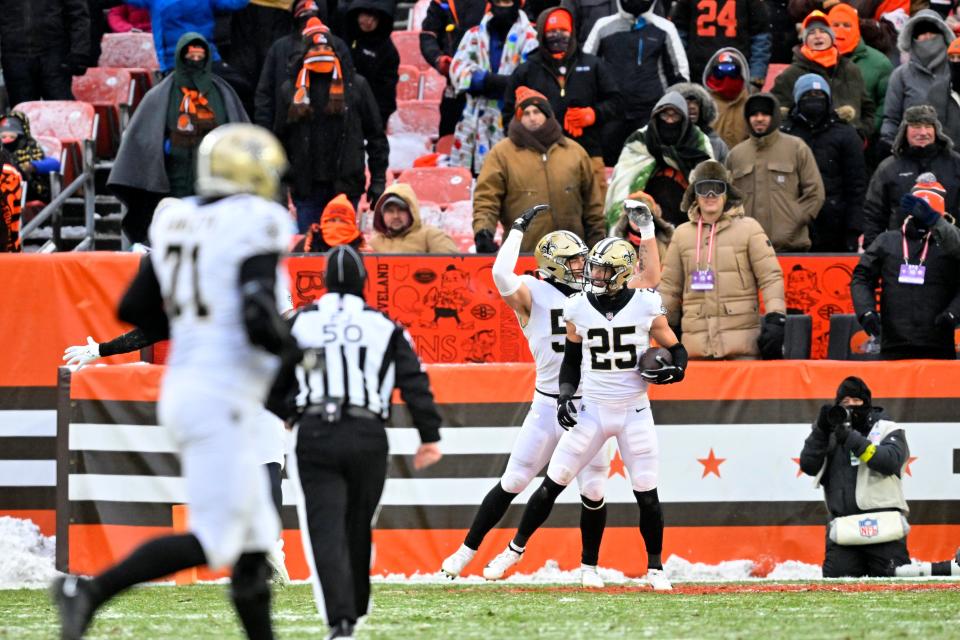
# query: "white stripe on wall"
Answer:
x=26 y=423
x=28 y=473
x=120 y=437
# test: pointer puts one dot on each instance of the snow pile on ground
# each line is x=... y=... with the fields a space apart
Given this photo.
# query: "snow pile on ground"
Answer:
x=27 y=557
x=678 y=569
x=407 y=147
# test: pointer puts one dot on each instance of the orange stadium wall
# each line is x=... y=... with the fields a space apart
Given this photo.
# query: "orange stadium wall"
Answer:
x=729 y=479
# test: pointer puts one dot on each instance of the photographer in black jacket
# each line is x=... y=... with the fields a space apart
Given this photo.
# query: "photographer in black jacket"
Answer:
x=858 y=457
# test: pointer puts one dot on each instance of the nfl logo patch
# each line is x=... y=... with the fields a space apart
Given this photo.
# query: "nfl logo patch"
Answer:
x=869 y=528
x=609 y=315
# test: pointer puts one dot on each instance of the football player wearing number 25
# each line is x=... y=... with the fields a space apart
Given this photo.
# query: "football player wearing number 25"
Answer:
x=608 y=326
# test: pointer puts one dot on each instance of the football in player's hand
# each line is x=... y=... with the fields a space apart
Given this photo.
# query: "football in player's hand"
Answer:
x=648 y=359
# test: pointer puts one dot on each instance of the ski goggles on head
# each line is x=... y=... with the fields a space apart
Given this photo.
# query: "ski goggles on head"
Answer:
x=710 y=188
x=726 y=70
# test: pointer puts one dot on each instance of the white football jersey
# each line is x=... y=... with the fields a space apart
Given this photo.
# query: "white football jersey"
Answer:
x=197 y=254
x=545 y=332
x=612 y=345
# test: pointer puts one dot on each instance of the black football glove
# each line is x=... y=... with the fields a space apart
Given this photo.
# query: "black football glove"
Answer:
x=870 y=322
x=483 y=240
x=521 y=223
x=666 y=374
x=566 y=412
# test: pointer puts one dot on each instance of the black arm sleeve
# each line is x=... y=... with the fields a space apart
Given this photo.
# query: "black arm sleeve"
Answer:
x=142 y=304
x=414 y=387
x=570 y=367
x=265 y=327
x=127 y=343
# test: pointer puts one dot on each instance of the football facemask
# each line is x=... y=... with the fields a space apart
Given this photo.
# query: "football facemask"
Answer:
x=554 y=254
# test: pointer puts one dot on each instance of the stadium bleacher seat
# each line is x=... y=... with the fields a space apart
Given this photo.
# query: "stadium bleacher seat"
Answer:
x=409 y=86
x=848 y=340
x=417 y=13
x=135 y=53
x=408 y=45
x=442 y=185
x=111 y=92
x=798 y=337
x=415 y=116
x=773 y=71
x=432 y=85
x=71 y=122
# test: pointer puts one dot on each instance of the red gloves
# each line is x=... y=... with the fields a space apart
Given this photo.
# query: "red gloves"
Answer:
x=443 y=65
x=577 y=119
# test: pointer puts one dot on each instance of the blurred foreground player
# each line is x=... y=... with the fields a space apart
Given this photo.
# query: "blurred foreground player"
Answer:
x=613 y=325
x=210 y=284
x=338 y=396
x=538 y=305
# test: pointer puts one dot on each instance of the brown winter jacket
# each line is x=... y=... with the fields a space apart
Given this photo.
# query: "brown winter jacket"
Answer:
x=514 y=179
x=781 y=184
x=418 y=238
x=724 y=322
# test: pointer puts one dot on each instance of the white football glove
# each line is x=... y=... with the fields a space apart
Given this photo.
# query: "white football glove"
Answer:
x=82 y=354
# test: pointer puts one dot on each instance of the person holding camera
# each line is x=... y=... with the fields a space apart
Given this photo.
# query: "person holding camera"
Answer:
x=858 y=456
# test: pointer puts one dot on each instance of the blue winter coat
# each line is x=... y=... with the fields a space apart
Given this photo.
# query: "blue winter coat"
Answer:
x=170 y=19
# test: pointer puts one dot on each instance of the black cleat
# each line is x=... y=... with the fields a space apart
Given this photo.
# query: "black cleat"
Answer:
x=72 y=595
x=342 y=630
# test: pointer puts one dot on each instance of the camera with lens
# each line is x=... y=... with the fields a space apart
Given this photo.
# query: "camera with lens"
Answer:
x=839 y=415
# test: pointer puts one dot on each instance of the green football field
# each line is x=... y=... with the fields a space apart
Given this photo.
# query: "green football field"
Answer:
x=744 y=610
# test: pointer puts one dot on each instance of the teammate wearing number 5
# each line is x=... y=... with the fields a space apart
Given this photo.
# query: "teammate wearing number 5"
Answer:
x=706 y=26
x=608 y=326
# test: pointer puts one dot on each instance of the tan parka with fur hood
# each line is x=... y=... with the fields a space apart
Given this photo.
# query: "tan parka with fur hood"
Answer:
x=418 y=238
x=723 y=323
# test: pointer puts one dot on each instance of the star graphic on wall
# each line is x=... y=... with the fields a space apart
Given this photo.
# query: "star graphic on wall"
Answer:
x=909 y=462
x=799 y=470
x=616 y=466
x=711 y=464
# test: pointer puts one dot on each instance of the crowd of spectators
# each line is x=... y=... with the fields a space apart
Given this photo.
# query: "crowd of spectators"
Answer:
x=822 y=120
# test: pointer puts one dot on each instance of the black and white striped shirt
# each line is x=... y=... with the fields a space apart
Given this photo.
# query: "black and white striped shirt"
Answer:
x=360 y=356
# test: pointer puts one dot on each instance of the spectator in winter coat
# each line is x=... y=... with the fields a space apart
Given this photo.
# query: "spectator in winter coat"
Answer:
x=727 y=79
x=399 y=229
x=43 y=44
x=368 y=26
x=11 y=190
x=580 y=88
x=337 y=226
x=818 y=54
x=920 y=147
x=126 y=18
x=481 y=68
x=586 y=13
x=515 y=177
x=28 y=157
x=926 y=38
x=717 y=263
x=708 y=25
x=777 y=175
x=874 y=66
x=919 y=284
x=658 y=159
x=325 y=115
x=783 y=31
x=646 y=56
x=880 y=20
x=838 y=151
x=440 y=34
x=157 y=155
x=702 y=110
x=253 y=30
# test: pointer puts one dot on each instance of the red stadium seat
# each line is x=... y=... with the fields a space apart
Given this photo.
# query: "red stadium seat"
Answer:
x=128 y=50
x=111 y=92
x=417 y=13
x=50 y=146
x=409 y=86
x=415 y=116
x=408 y=44
x=445 y=144
x=432 y=85
x=773 y=71
x=439 y=184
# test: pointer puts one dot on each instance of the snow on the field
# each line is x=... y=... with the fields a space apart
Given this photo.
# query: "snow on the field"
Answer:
x=27 y=556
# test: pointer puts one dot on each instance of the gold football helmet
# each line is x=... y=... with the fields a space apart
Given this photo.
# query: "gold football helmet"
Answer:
x=240 y=158
x=609 y=266
x=553 y=254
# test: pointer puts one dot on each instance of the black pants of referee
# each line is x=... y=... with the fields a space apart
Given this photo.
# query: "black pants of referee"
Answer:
x=341 y=469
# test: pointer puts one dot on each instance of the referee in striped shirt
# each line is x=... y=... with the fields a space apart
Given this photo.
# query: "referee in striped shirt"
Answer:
x=338 y=396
